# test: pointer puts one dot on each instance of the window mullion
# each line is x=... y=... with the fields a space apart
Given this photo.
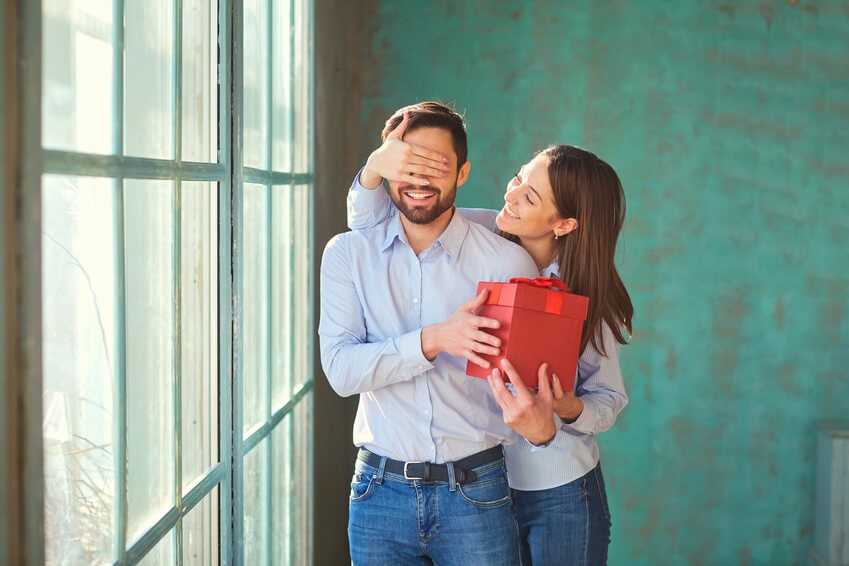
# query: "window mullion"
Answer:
x=176 y=274
x=269 y=460
x=235 y=255
x=120 y=392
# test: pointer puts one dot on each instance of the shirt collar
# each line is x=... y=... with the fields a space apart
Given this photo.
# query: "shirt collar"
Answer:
x=451 y=238
x=553 y=270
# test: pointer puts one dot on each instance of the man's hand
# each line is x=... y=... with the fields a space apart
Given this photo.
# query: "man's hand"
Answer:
x=460 y=334
x=528 y=413
x=566 y=405
x=397 y=160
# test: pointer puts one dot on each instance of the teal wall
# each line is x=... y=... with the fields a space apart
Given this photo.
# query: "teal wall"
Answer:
x=727 y=122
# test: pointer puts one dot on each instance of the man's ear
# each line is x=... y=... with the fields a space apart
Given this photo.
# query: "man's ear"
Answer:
x=565 y=225
x=463 y=173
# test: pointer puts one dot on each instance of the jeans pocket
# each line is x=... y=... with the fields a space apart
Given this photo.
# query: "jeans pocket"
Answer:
x=488 y=491
x=362 y=486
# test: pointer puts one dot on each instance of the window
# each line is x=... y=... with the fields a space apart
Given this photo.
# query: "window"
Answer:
x=176 y=289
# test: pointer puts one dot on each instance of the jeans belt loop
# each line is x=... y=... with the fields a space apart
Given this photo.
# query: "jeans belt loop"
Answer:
x=380 y=471
x=452 y=482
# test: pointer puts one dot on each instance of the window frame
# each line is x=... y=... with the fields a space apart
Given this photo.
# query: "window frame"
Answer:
x=25 y=357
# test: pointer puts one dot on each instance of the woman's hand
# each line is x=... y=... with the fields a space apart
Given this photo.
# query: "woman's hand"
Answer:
x=460 y=334
x=397 y=160
x=566 y=405
x=527 y=412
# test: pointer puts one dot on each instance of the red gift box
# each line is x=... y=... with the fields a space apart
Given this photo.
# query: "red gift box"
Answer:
x=538 y=324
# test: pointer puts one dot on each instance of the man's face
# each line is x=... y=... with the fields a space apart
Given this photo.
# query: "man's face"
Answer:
x=423 y=205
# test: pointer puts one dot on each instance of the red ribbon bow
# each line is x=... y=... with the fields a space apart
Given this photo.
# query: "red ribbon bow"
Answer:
x=544 y=282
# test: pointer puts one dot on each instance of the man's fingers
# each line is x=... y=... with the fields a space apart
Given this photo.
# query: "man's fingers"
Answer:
x=518 y=385
x=496 y=383
x=475 y=304
x=475 y=359
x=485 y=322
x=398 y=132
x=486 y=338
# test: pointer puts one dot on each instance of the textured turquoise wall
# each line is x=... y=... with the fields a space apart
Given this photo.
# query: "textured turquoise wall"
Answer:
x=727 y=122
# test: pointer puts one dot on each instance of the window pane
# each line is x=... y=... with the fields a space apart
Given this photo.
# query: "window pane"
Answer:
x=303 y=44
x=282 y=87
x=256 y=84
x=282 y=262
x=200 y=532
x=148 y=79
x=77 y=74
x=282 y=501
x=80 y=318
x=200 y=92
x=291 y=488
x=256 y=501
x=198 y=328
x=149 y=225
x=302 y=479
x=162 y=554
x=301 y=274
x=255 y=305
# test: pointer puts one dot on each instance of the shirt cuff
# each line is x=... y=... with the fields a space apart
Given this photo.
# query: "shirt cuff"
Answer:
x=585 y=423
x=410 y=348
x=558 y=425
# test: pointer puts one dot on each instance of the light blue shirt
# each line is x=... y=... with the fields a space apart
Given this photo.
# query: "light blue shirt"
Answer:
x=376 y=296
x=574 y=450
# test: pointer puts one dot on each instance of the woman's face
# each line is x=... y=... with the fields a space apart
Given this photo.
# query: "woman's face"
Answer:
x=529 y=210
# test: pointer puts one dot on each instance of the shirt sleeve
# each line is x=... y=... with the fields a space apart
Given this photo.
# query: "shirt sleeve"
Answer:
x=353 y=365
x=600 y=387
x=483 y=216
x=367 y=207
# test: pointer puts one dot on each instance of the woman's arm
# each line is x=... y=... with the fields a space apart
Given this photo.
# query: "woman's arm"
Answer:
x=599 y=391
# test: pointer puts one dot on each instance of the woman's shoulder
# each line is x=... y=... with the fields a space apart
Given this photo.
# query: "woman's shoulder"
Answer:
x=483 y=216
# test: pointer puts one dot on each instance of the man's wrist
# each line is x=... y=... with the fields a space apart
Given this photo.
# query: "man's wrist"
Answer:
x=430 y=346
x=544 y=443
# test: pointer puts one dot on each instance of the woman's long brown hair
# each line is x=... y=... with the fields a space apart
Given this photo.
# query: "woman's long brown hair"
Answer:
x=587 y=189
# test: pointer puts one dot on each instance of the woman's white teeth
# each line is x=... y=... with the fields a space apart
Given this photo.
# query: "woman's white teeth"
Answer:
x=510 y=212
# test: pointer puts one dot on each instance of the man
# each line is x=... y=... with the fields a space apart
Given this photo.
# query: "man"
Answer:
x=429 y=482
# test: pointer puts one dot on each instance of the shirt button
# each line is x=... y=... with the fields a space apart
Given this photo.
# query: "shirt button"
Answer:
x=427 y=412
x=415 y=300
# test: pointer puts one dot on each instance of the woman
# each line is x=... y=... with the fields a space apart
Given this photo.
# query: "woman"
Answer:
x=566 y=208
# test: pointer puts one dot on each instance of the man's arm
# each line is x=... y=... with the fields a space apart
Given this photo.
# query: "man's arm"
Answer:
x=353 y=365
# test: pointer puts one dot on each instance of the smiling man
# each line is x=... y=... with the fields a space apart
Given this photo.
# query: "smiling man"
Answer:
x=429 y=482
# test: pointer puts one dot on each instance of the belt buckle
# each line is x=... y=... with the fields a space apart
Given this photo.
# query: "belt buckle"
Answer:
x=406 y=475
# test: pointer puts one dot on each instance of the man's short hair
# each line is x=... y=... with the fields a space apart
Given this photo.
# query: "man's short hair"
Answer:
x=433 y=115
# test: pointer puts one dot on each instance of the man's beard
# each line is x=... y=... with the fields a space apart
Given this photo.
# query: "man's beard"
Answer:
x=423 y=214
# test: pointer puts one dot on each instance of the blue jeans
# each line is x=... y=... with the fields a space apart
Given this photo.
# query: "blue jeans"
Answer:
x=567 y=525
x=392 y=520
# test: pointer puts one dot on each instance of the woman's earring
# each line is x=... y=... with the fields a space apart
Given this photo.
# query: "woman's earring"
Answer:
x=556 y=235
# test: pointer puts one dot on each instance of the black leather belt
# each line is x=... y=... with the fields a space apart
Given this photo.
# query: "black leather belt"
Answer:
x=427 y=471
